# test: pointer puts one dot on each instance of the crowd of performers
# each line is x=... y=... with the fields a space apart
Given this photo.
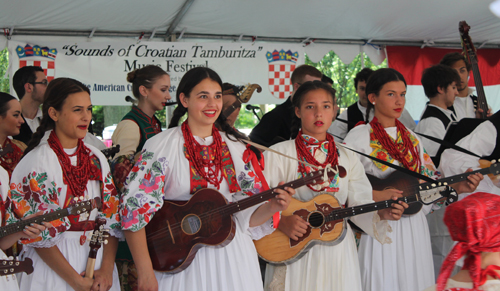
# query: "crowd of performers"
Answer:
x=383 y=250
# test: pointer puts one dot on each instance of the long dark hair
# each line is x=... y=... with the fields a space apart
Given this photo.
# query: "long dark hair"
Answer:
x=57 y=91
x=377 y=80
x=192 y=78
x=4 y=100
x=298 y=99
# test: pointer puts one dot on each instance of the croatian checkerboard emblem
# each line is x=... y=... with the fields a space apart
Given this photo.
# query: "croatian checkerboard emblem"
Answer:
x=281 y=66
x=43 y=57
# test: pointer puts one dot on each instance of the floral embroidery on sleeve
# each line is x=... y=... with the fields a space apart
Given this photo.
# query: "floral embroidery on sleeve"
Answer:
x=35 y=193
x=428 y=168
x=144 y=191
x=110 y=203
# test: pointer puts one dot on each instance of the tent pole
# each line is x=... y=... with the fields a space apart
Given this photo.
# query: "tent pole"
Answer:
x=178 y=18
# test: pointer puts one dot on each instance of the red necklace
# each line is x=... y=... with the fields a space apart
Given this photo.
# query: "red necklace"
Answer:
x=396 y=150
x=77 y=176
x=305 y=155
x=10 y=160
x=193 y=149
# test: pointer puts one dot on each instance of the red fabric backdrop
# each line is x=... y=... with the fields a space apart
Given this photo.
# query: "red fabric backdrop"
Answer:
x=411 y=61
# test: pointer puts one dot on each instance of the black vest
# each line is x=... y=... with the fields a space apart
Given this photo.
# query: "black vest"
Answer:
x=431 y=111
x=354 y=115
x=495 y=119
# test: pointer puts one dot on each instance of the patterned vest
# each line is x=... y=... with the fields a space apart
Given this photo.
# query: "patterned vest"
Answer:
x=148 y=126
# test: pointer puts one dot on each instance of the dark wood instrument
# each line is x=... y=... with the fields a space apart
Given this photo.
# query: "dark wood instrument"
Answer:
x=8 y=267
x=242 y=96
x=327 y=219
x=470 y=53
x=410 y=185
x=98 y=238
x=179 y=229
x=77 y=208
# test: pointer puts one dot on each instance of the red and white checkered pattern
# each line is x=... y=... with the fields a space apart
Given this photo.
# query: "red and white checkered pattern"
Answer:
x=279 y=79
x=49 y=67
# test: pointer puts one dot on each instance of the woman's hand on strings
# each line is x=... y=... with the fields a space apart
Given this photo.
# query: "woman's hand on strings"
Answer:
x=468 y=185
x=397 y=208
x=293 y=226
x=283 y=198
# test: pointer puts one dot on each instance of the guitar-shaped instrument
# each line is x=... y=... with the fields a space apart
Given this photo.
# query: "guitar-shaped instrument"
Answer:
x=470 y=53
x=75 y=209
x=8 y=267
x=242 y=96
x=111 y=152
x=179 y=229
x=327 y=219
x=99 y=237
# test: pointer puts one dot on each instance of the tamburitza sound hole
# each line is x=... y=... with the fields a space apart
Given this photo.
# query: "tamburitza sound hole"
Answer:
x=191 y=224
x=316 y=219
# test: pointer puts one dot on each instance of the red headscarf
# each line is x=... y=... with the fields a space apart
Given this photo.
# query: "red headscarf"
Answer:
x=474 y=223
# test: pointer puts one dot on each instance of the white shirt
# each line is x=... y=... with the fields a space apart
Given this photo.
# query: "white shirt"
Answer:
x=35 y=122
x=434 y=127
x=464 y=106
x=482 y=142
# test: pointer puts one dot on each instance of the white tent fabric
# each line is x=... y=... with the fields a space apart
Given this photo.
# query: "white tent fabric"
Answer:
x=422 y=20
x=346 y=27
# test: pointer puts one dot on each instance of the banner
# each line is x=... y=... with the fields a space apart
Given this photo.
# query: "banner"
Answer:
x=411 y=61
x=103 y=66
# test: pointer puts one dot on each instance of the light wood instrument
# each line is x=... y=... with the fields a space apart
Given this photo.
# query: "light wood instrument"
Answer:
x=327 y=218
x=179 y=229
x=99 y=237
x=8 y=267
x=470 y=53
x=74 y=209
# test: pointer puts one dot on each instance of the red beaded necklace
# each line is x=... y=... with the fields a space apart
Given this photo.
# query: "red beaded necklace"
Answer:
x=76 y=176
x=193 y=149
x=395 y=150
x=304 y=154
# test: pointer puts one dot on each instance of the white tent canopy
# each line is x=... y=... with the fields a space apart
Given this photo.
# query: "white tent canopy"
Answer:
x=351 y=22
x=346 y=27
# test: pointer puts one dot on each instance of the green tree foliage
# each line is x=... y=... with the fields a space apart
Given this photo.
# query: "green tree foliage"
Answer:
x=4 y=64
x=343 y=74
x=162 y=117
x=246 y=119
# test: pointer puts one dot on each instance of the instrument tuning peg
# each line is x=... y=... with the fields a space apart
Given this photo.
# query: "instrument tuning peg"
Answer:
x=105 y=242
x=453 y=196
